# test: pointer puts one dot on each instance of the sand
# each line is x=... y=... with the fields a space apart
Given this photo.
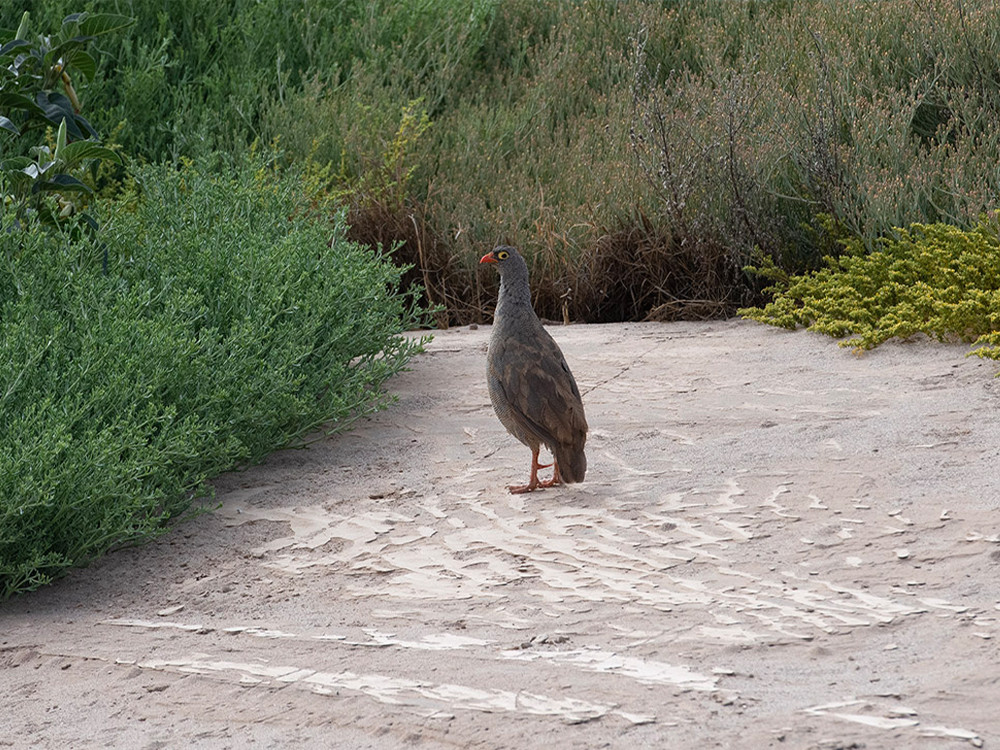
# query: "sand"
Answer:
x=780 y=544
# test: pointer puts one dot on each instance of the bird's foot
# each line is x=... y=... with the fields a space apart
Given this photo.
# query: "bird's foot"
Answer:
x=520 y=489
x=534 y=483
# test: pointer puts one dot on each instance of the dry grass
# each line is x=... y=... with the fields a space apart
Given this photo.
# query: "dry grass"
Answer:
x=641 y=156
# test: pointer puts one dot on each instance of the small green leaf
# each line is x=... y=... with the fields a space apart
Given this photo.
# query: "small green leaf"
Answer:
x=22 y=29
x=60 y=140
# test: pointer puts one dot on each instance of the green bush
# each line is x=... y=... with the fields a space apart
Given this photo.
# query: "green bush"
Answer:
x=228 y=324
x=936 y=280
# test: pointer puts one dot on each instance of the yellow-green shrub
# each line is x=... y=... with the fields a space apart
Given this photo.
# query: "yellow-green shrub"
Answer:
x=933 y=279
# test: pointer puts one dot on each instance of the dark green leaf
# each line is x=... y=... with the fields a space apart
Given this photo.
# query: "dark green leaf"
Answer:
x=82 y=61
x=81 y=122
x=60 y=183
x=64 y=48
x=6 y=124
x=78 y=151
x=10 y=46
x=55 y=107
x=10 y=100
x=15 y=163
x=103 y=23
x=90 y=221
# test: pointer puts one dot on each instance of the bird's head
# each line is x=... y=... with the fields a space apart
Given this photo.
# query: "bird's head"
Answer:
x=499 y=255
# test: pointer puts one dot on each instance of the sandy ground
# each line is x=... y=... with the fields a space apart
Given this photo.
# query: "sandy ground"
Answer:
x=780 y=544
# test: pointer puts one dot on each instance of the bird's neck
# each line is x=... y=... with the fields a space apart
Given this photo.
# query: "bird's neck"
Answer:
x=514 y=295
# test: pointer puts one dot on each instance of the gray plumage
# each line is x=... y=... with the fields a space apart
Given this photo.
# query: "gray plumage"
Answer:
x=531 y=387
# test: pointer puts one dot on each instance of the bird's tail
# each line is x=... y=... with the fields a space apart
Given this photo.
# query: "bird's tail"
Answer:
x=572 y=463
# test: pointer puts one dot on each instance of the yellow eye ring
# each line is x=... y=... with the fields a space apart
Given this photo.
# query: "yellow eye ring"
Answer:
x=503 y=255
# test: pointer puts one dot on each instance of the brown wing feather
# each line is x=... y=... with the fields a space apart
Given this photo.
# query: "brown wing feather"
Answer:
x=541 y=391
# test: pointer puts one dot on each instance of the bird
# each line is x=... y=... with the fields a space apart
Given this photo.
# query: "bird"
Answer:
x=531 y=387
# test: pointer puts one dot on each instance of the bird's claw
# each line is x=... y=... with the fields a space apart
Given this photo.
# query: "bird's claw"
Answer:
x=534 y=483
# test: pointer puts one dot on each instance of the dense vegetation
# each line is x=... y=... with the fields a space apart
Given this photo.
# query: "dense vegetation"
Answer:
x=646 y=157
x=641 y=153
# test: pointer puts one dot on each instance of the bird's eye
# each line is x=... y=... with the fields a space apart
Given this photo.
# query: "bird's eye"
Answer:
x=502 y=255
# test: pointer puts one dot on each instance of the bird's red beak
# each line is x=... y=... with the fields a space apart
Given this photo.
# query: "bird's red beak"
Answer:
x=488 y=258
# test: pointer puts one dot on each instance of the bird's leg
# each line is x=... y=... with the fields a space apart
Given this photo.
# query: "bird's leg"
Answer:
x=556 y=479
x=533 y=482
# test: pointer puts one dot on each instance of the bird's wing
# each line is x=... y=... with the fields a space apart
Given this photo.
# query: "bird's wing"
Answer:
x=540 y=389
